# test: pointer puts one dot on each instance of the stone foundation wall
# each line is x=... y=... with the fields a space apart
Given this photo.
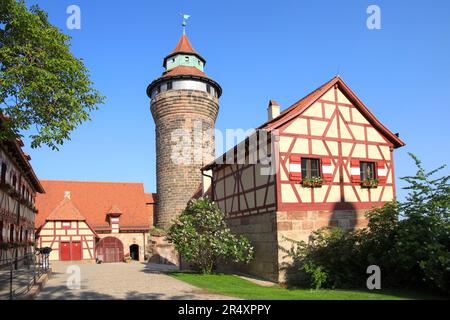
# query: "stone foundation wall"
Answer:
x=261 y=231
x=298 y=225
x=128 y=239
x=161 y=251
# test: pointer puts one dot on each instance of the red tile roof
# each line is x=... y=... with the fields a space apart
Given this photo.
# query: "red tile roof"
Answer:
x=183 y=46
x=23 y=159
x=95 y=199
x=65 y=211
x=150 y=198
x=300 y=106
x=305 y=101
x=184 y=70
x=114 y=210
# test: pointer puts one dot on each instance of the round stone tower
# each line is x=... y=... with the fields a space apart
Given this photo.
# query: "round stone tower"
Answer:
x=184 y=104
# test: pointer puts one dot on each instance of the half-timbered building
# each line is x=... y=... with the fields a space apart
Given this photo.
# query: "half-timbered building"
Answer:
x=94 y=220
x=329 y=159
x=18 y=188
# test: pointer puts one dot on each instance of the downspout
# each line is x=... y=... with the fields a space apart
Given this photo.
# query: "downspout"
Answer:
x=212 y=184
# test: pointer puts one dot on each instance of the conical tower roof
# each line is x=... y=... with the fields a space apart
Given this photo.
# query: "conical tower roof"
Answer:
x=183 y=46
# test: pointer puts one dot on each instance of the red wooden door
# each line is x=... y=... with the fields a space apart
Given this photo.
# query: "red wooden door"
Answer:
x=76 y=251
x=64 y=251
x=110 y=249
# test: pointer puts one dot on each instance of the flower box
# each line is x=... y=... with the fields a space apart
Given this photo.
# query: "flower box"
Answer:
x=312 y=183
x=369 y=183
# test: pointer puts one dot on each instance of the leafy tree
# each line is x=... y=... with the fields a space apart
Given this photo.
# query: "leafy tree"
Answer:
x=43 y=87
x=201 y=236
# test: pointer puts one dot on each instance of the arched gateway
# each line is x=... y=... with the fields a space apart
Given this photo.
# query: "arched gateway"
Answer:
x=110 y=249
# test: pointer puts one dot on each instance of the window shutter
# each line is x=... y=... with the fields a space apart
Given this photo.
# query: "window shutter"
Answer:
x=381 y=171
x=327 y=169
x=355 y=171
x=295 y=168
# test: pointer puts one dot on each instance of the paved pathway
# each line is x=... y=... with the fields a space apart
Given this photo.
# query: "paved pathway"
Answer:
x=134 y=281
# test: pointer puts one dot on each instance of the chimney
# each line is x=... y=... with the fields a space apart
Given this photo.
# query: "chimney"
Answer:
x=273 y=109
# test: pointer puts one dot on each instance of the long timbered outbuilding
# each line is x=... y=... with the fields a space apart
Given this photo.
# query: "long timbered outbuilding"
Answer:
x=330 y=160
x=18 y=188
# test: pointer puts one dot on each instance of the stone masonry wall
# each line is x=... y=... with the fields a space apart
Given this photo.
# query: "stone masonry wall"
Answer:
x=128 y=239
x=298 y=225
x=261 y=231
x=177 y=182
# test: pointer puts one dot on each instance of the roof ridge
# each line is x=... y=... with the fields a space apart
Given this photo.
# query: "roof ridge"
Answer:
x=294 y=105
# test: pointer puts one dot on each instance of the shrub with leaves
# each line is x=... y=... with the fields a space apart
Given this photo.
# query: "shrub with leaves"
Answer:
x=409 y=241
x=201 y=236
x=422 y=249
x=328 y=260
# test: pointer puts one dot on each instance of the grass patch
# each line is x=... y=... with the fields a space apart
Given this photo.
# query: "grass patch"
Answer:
x=234 y=286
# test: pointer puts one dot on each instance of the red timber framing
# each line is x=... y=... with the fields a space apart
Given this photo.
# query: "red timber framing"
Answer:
x=240 y=190
x=346 y=133
x=341 y=176
x=54 y=234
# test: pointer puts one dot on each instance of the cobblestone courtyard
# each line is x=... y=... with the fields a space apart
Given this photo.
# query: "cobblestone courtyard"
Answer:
x=134 y=280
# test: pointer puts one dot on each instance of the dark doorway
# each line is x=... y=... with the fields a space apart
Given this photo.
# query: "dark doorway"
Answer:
x=134 y=252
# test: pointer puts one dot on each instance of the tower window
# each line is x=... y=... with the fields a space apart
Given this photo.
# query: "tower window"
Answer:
x=198 y=62
x=169 y=85
x=187 y=59
x=208 y=88
x=158 y=89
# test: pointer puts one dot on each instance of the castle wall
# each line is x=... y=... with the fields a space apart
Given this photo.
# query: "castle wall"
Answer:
x=128 y=239
x=261 y=231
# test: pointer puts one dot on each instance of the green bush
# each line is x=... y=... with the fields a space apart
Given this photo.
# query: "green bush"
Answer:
x=409 y=241
x=201 y=236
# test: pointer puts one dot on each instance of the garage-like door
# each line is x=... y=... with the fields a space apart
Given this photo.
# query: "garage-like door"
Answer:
x=110 y=249
x=70 y=251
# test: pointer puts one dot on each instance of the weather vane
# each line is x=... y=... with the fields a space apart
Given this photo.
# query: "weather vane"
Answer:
x=185 y=17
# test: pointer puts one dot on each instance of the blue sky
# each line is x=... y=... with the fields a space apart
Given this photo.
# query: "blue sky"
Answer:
x=257 y=50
